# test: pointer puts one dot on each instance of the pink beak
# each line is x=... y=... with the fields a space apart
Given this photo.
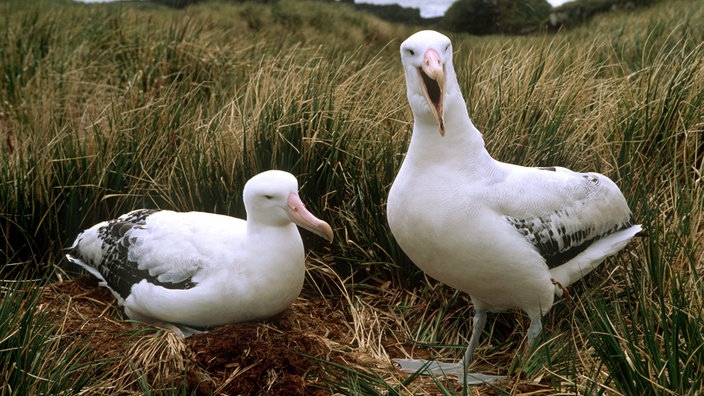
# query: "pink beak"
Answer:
x=298 y=214
x=433 y=77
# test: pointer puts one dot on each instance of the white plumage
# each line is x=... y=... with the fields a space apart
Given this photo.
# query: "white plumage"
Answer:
x=509 y=236
x=199 y=269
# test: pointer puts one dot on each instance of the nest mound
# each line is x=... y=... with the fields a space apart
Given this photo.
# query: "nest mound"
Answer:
x=277 y=356
x=306 y=350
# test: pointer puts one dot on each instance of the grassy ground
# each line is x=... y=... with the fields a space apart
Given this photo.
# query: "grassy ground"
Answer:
x=106 y=108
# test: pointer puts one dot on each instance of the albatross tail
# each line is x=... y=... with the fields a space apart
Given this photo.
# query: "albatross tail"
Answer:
x=585 y=262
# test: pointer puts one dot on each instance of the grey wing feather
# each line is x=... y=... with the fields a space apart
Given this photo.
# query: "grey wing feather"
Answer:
x=554 y=241
x=117 y=270
x=596 y=210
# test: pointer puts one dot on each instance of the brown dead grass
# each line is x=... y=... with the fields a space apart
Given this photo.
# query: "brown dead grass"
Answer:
x=247 y=358
x=280 y=356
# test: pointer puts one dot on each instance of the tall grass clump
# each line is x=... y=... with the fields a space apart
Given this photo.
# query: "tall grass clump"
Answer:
x=651 y=338
x=33 y=361
x=106 y=108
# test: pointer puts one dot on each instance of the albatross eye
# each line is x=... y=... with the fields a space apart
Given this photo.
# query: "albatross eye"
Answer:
x=268 y=196
x=410 y=52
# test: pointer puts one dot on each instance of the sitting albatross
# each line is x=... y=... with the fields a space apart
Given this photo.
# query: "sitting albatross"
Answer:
x=509 y=236
x=199 y=270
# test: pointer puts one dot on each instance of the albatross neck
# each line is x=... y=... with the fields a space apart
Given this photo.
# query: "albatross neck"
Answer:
x=462 y=142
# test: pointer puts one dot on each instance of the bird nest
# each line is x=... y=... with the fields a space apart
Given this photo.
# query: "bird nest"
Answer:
x=313 y=348
x=278 y=356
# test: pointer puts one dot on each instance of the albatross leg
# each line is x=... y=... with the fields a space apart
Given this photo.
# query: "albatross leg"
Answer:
x=459 y=369
x=536 y=326
x=478 y=323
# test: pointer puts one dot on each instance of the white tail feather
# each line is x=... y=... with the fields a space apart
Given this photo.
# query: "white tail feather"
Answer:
x=98 y=275
x=588 y=260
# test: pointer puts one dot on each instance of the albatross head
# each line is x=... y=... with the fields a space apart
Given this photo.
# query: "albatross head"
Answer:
x=427 y=59
x=271 y=198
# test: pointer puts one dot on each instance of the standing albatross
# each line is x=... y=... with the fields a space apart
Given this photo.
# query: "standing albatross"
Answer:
x=510 y=236
x=199 y=270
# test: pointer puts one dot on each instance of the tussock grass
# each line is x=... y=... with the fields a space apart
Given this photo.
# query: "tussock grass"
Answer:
x=33 y=359
x=106 y=108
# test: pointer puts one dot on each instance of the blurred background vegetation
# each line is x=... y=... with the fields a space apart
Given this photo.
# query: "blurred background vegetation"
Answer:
x=483 y=17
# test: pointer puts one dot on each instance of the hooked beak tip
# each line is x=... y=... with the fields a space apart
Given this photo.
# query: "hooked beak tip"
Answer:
x=298 y=213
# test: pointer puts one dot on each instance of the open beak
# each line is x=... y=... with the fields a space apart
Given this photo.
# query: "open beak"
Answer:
x=298 y=214
x=432 y=75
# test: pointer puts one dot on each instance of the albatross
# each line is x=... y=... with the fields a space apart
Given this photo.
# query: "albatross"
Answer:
x=194 y=270
x=509 y=236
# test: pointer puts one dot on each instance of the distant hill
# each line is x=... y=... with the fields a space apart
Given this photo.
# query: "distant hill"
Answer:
x=502 y=16
x=576 y=12
x=395 y=13
x=480 y=17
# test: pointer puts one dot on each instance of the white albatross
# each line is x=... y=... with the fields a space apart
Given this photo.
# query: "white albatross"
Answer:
x=199 y=270
x=509 y=236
